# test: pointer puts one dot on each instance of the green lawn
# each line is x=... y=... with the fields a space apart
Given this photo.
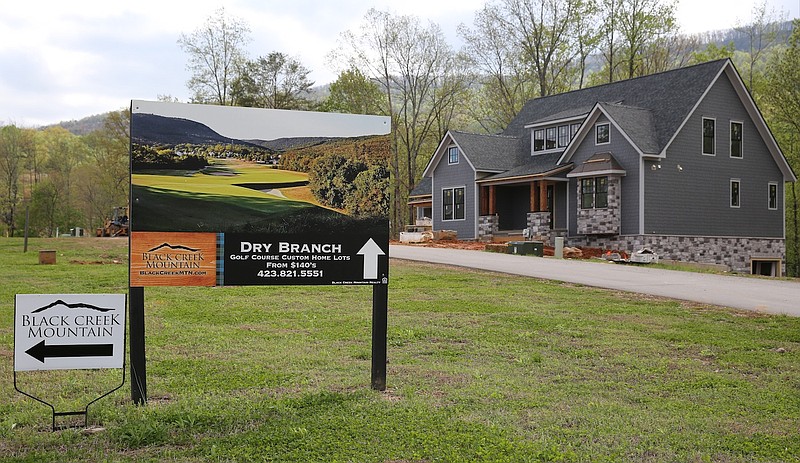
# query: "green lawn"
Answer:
x=482 y=367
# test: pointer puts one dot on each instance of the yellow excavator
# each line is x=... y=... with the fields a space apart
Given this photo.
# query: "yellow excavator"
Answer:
x=116 y=225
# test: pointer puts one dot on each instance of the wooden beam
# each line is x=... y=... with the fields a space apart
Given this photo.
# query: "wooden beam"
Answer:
x=492 y=200
x=542 y=195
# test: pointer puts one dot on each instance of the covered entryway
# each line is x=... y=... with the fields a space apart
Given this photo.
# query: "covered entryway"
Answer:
x=510 y=207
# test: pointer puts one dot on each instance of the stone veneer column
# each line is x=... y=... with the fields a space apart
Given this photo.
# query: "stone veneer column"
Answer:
x=539 y=226
x=488 y=225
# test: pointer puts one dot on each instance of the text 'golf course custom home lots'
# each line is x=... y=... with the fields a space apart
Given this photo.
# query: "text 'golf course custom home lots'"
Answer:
x=681 y=162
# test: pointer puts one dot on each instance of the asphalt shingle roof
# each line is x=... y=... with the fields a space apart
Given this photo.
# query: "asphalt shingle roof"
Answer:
x=488 y=152
x=649 y=109
x=670 y=96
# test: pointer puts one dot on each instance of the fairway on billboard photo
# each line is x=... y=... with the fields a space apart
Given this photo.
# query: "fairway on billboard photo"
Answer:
x=243 y=196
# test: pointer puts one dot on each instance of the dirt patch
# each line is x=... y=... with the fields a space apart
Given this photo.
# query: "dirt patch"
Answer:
x=586 y=253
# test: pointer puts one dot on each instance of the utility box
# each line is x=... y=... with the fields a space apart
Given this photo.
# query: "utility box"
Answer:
x=526 y=248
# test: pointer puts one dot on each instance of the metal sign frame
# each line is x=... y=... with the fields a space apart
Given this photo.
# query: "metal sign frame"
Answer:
x=85 y=411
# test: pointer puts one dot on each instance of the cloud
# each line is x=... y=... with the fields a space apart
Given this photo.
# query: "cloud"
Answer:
x=67 y=60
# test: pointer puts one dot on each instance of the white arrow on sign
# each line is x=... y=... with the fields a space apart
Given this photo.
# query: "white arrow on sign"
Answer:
x=371 y=251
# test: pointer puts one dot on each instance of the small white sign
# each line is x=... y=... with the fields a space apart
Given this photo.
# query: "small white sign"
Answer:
x=69 y=331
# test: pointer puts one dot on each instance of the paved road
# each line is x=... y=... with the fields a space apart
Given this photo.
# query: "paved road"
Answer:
x=756 y=294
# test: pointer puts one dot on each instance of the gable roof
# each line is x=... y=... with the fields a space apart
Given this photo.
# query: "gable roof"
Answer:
x=670 y=97
x=638 y=124
x=650 y=111
x=485 y=153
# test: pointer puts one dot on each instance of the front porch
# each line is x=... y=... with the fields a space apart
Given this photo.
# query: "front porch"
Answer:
x=519 y=211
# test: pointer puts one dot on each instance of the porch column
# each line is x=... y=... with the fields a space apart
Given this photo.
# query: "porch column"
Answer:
x=533 y=197
x=542 y=196
x=492 y=200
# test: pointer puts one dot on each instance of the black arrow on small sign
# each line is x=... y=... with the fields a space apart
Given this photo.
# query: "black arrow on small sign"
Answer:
x=42 y=351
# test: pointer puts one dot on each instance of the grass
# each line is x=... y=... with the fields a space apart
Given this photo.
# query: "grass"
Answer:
x=218 y=200
x=482 y=367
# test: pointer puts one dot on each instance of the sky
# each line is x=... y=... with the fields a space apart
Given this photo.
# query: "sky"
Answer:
x=62 y=61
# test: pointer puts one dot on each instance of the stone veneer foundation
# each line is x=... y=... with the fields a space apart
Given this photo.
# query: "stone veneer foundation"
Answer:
x=735 y=253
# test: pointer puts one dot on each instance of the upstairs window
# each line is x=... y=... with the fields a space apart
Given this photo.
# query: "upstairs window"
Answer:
x=573 y=129
x=538 y=140
x=736 y=139
x=709 y=135
x=452 y=155
x=602 y=134
x=563 y=136
x=594 y=193
x=551 y=138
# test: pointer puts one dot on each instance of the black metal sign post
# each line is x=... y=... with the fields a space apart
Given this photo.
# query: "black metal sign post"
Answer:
x=380 y=309
x=137 y=349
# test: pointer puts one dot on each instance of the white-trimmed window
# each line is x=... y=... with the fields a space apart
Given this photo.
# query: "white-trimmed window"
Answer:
x=772 y=192
x=551 y=138
x=602 y=134
x=709 y=136
x=736 y=139
x=453 y=203
x=563 y=136
x=594 y=193
x=538 y=140
x=573 y=129
x=452 y=155
x=736 y=192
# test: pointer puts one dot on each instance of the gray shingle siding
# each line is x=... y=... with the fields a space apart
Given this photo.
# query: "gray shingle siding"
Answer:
x=695 y=198
x=455 y=176
x=629 y=160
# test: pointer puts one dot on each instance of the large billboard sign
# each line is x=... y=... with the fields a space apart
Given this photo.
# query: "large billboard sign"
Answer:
x=243 y=196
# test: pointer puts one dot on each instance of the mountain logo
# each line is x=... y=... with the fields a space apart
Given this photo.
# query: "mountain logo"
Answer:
x=174 y=248
x=79 y=305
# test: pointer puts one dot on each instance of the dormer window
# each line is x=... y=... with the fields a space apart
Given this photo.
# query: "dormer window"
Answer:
x=452 y=155
x=553 y=138
x=538 y=140
x=550 y=141
x=563 y=136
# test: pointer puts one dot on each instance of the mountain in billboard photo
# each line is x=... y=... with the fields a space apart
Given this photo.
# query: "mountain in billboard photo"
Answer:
x=152 y=129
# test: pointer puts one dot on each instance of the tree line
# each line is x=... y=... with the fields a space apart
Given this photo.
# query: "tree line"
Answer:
x=56 y=181
x=189 y=156
x=350 y=174
x=514 y=50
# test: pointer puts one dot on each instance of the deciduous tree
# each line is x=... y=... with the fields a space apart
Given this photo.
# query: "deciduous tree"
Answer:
x=354 y=93
x=782 y=96
x=216 y=53
x=275 y=81
x=418 y=73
